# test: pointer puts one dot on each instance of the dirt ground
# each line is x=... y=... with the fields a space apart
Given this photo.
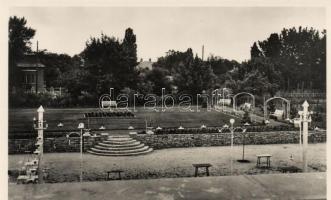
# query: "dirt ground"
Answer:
x=177 y=162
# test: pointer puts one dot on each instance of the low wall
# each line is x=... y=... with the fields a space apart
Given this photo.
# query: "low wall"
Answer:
x=224 y=139
x=72 y=144
x=59 y=144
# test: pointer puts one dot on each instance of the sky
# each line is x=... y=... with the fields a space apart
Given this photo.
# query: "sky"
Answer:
x=228 y=32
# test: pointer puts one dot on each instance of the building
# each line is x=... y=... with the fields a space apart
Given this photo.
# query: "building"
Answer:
x=32 y=71
x=145 y=65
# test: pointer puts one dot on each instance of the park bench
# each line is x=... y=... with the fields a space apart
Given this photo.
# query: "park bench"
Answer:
x=202 y=165
x=263 y=156
x=26 y=179
x=290 y=169
x=278 y=114
x=114 y=172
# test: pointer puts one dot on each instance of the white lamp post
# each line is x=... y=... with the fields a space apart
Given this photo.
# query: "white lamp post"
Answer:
x=305 y=117
x=60 y=125
x=81 y=127
x=39 y=125
x=232 y=130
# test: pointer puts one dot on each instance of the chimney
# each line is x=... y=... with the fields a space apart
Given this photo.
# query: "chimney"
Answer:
x=150 y=60
x=37 y=46
x=141 y=59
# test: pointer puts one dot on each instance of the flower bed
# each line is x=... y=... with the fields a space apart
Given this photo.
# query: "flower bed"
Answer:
x=165 y=131
x=109 y=114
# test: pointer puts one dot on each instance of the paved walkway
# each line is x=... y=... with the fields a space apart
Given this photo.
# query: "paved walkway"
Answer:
x=271 y=186
x=176 y=162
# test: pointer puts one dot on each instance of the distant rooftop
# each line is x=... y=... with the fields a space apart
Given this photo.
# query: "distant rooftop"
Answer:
x=145 y=64
x=30 y=65
x=30 y=61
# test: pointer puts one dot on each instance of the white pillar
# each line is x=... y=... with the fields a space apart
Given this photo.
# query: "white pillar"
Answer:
x=41 y=136
x=305 y=116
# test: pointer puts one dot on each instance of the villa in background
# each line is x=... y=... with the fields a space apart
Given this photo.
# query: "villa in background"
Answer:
x=32 y=74
x=145 y=65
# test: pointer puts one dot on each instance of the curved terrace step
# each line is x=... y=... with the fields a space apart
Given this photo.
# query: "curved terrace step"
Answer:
x=119 y=152
x=119 y=142
x=122 y=154
x=120 y=146
x=119 y=139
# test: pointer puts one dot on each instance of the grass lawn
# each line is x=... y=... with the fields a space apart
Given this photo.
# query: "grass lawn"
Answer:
x=21 y=119
x=64 y=167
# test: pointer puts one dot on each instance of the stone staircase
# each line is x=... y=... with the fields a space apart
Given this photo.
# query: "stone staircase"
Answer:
x=120 y=146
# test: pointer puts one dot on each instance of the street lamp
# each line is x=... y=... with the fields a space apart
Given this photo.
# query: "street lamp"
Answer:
x=60 y=125
x=244 y=138
x=232 y=130
x=81 y=127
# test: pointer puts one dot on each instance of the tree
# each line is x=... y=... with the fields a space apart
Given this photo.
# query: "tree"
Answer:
x=300 y=56
x=194 y=77
x=158 y=78
x=305 y=51
x=129 y=56
x=56 y=66
x=111 y=63
x=19 y=44
x=271 y=47
x=255 y=51
x=173 y=59
x=103 y=63
x=258 y=76
x=221 y=66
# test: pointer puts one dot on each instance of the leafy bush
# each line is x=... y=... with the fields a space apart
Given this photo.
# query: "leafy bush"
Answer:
x=216 y=130
x=109 y=114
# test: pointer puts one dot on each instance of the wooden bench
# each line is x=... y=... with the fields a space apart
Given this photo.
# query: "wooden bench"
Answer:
x=114 y=171
x=278 y=114
x=290 y=169
x=261 y=156
x=197 y=166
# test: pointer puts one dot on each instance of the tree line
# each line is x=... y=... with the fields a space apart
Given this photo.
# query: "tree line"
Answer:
x=294 y=58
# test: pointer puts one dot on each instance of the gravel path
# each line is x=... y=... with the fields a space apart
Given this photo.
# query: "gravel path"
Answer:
x=65 y=167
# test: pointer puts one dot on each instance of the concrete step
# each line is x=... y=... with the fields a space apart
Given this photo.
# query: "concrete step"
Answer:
x=144 y=148
x=119 y=136
x=117 y=142
x=119 y=139
x=121 y=154
x=118 y=145
x=119 y=148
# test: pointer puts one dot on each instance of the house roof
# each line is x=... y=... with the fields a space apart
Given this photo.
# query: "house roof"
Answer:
x=30 y=61
x=145 y=65
x=30 y=65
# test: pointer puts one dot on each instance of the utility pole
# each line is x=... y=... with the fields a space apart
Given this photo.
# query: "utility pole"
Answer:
x=203 y=52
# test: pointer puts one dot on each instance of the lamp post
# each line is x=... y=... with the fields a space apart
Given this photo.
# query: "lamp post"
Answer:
x=244 y=138
x=60 y=125
x=232 y=130
x=39 y=126
x=305 y=117
x=81 y=127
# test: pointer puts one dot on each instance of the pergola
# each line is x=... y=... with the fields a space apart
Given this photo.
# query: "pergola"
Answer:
x=243 y=93
x=288 y=106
